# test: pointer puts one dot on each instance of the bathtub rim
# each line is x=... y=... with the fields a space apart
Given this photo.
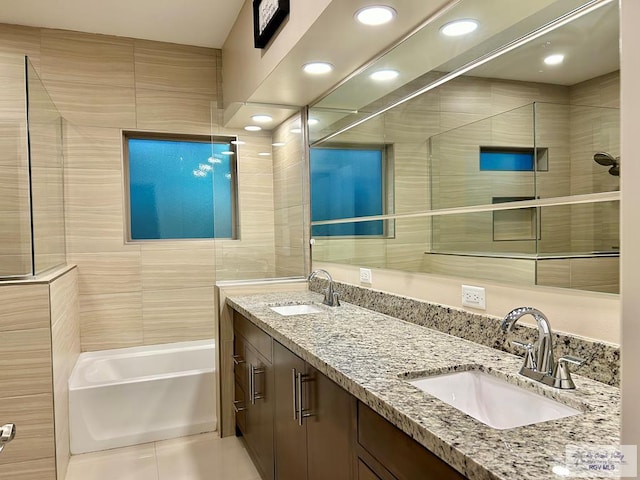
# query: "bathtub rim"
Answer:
x=76 y=382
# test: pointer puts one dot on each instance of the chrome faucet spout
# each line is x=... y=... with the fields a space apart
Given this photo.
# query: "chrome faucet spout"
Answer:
x=542 y=349
x=539 y=363
x=330 y=296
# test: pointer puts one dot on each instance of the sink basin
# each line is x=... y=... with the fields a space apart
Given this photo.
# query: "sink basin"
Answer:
x=491 y=400
x=288 y=310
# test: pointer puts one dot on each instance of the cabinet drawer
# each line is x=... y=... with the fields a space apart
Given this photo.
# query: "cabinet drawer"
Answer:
x=253 y=335
x=405 y=458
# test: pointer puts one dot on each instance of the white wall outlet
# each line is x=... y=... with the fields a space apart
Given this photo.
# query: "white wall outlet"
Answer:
x=472 y=297
x=365 y=276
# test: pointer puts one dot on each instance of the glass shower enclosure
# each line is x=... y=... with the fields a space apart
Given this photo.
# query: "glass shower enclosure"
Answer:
x=32 y=229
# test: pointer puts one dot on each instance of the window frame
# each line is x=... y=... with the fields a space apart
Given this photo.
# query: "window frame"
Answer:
x=179 y=137
x=388 y=226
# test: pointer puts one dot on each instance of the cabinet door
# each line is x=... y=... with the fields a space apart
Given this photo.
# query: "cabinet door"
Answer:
x=291 y=437
x=259 y=401
x=398 y=453
x=330 y=428
x=365 y=473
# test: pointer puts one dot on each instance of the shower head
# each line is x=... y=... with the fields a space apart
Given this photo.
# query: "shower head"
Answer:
x=607 y=160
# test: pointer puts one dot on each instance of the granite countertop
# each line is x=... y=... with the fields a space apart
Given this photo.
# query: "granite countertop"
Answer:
x=369 y=354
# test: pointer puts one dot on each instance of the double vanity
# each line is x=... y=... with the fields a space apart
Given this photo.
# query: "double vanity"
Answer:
x=343 y=392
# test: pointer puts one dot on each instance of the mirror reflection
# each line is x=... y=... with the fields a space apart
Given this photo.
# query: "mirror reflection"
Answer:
x=515 y=162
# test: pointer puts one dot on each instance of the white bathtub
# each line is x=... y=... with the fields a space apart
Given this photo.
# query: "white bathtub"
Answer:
x=135 y=395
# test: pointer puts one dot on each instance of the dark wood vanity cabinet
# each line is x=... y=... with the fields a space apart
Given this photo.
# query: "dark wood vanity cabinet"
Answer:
x=298 y=424
x=387 y=453
x=254 y=393
x=314 y=427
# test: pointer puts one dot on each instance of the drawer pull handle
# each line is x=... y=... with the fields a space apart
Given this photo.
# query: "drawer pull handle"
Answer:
x=236 y=408
x=237 y=360
x=294 y=389
x=253 y=395
x=302 y=413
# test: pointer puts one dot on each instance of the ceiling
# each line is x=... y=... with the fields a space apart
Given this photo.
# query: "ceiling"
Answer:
x=336 y=38
x=204 y=23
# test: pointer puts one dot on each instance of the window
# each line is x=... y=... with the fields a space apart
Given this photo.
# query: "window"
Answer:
x=180 y=186
x=513 y=159
x=347 y=183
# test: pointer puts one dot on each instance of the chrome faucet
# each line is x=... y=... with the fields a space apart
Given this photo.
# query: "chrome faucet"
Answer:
x=330 y=296
x=7 y=433
x=539 y=363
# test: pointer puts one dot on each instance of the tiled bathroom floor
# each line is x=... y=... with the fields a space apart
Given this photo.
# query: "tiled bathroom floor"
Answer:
x=198 y=457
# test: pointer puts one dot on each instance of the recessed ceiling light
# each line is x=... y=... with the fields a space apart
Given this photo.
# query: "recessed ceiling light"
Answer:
x=313 y=121
x=262 y=118
x=459 y=27
x=238 y=142
x=384 y=75
x=555 y=59
x=317 y=68
x=252 y=128
x=375 y=15
x=278 y=144
x=296 y=130
x=264 y=154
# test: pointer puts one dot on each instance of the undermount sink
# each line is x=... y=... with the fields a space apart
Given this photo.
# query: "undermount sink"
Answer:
x=304 y=309
x=491 y=400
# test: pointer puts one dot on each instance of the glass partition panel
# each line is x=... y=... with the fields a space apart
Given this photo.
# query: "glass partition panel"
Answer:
x=586 y=255
x=15 y=220
x=272 y=205
x=47 y=188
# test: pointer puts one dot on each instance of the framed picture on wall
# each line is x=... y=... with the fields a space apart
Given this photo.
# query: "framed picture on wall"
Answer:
x=268 y=15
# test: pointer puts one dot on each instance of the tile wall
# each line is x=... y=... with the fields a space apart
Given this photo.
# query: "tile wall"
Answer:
x=152 y=292
x=39 y=323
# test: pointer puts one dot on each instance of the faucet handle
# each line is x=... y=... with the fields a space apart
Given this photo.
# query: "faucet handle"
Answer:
x=561 y=375
x=578 y=362
x=336 y=299
x=529 y=360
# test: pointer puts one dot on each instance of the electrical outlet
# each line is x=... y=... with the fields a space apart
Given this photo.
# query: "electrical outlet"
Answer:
x=365 y=276
x=472 y=297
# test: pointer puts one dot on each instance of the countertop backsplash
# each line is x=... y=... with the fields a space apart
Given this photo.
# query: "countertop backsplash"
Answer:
x=602 y=359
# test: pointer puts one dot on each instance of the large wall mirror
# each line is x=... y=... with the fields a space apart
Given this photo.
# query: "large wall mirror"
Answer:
x=498 y=149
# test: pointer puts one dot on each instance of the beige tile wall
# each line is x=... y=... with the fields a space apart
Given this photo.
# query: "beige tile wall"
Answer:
x=25 y=383
x=65 y=348
x=40 y=330
x=152 y=292
x=290 y=204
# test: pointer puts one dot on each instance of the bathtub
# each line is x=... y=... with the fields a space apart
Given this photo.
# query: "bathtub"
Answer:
x=135 y=395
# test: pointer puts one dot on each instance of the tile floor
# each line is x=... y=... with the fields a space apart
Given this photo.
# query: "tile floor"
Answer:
x=198 y=457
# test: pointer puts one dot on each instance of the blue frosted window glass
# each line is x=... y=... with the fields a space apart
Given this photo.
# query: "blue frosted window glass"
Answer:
x=505 y=160
x=346 y=183
x=180 y=189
